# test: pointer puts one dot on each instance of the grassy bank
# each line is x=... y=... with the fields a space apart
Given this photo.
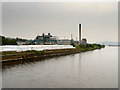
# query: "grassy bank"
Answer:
x=89 y=47
x=13 y=55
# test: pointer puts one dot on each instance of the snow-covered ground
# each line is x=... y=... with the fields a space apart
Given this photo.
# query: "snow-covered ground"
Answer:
x=33 y=47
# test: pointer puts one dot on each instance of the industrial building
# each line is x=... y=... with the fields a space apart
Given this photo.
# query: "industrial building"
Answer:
x=84 y=41
x=46 y=39
x=63 y=42
x=52 y=40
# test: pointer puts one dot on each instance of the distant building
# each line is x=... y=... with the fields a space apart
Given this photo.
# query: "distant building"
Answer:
x=77 y=42
x=46 y=39
x=84 y=41
x=64 y=42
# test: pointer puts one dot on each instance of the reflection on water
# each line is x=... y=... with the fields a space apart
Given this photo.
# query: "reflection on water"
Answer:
x=93 y=69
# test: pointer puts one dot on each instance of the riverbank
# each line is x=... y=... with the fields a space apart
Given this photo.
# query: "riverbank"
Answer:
x=82 y=70
x=8 y=56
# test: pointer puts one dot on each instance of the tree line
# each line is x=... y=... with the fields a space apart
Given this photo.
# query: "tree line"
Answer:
x=10 y=41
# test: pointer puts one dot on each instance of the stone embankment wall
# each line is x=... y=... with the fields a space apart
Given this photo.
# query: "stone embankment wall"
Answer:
x=14 y=56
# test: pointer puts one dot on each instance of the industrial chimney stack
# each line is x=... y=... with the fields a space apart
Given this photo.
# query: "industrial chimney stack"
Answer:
x=79 y=32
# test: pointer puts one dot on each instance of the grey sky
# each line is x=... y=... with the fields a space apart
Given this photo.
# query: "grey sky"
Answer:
x=27 y=20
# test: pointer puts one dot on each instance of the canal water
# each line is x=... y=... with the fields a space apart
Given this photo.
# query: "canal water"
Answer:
x=92 y=69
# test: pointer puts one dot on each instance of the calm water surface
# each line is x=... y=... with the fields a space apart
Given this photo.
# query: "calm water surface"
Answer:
x=93 y=69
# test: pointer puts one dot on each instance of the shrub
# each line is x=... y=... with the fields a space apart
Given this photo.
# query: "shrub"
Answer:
x=88 y=47
x=73 y=44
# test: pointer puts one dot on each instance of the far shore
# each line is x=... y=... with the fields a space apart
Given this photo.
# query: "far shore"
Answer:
x=114 y=45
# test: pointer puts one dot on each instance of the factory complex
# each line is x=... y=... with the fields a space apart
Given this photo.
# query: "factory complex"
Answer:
x=54 y=40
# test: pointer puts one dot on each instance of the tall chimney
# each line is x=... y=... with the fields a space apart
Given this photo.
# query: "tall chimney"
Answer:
x=79 y=32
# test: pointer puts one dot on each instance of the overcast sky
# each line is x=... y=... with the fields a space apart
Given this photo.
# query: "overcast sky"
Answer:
x=27 y=20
